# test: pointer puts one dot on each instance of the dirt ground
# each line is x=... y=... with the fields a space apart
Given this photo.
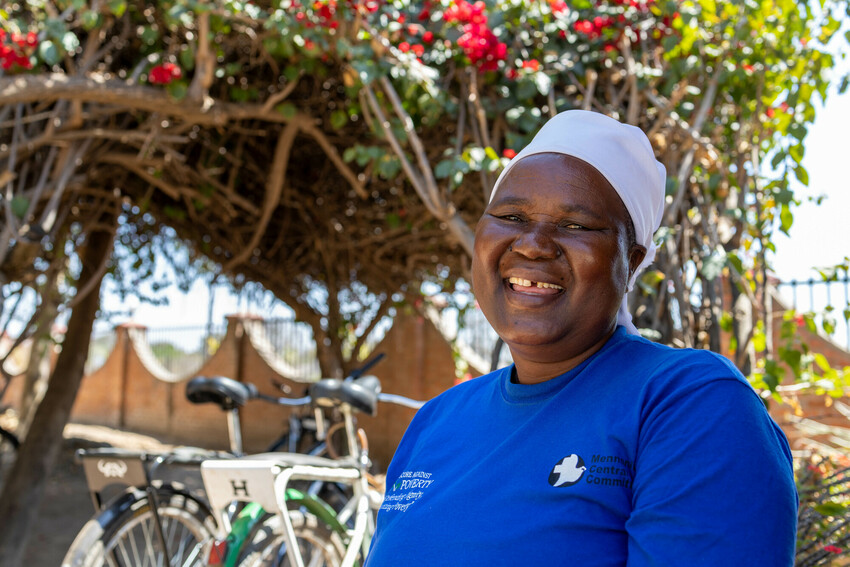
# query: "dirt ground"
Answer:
x=67 y=505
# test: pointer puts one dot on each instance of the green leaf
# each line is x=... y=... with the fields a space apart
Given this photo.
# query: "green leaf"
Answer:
x=90 y=20
x=444 y=168
x=798 y=131
x=712 y=265
x=829 y=326
x=830 y=509
x=287 y=109
x=20 y=206
x=786 y=218
x=48 y=53
x=393 y=220
x=177 y=89
x=187 y=58
x=339 y=118
x=69 y=41
x=388 y=166
x=149 y=35
x=759 y=341
x=822 y=362
x=118 y=7
x=174 y=213
x=802 y=175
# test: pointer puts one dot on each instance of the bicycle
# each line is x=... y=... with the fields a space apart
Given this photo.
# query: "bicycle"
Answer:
x=287 y=525
x=153 y=506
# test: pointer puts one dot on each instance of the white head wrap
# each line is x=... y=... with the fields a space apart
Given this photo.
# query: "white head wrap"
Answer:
x=624 y=156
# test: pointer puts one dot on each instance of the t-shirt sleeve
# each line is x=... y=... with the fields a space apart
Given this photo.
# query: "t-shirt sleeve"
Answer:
x=714 y=482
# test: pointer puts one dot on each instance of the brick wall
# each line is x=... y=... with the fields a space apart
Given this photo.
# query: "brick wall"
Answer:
x=126 y=393
x=130 y=392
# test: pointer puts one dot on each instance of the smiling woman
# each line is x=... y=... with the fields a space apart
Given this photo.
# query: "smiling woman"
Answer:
x=551 y=265
x=596 y=444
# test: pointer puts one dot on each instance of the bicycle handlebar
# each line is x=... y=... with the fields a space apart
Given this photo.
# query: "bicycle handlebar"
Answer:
x=306 y=400
x=400 y=401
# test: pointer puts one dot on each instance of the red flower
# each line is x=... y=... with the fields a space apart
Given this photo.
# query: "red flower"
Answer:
x=404 y=47
x=164 y=74
x=832 y=549
x=531 y=64
x=428 y=37
x=17 y=51
x=558 y=6
x=463 y=12
x=584 y=26
x=418 y=49
x=509 y=153
x=481 y=45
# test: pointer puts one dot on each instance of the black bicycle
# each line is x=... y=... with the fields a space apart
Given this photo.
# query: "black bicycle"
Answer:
x=151 y=508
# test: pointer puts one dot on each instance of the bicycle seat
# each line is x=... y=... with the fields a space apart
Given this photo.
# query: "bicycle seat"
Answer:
x=225 y=392
x=361 y=394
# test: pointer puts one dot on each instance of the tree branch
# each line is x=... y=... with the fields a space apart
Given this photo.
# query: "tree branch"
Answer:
x=274 y=189
x=336 y=159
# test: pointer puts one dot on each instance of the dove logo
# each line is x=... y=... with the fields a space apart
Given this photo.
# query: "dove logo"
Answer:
x=567 y=471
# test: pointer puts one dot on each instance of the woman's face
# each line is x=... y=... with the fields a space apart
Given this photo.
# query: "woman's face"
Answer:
x=551 y=259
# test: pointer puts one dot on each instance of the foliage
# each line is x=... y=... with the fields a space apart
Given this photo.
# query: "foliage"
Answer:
x=823 y=533
x=404 y=112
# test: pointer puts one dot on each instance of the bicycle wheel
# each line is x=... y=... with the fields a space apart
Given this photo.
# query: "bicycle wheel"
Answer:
x=124 y=535
x=319 y=545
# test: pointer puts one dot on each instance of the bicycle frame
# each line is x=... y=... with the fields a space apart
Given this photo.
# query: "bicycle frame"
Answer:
x=265 y=478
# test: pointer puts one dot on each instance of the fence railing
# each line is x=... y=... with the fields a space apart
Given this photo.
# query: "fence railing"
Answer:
x=826 y=299
x=181 y=349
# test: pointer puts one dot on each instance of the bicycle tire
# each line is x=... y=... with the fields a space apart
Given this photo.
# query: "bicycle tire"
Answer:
x=320 y=546
x=124 y=535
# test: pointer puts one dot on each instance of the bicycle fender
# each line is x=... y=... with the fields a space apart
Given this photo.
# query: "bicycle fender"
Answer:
x=240 y=530
x=120 y=505
x=319 y=508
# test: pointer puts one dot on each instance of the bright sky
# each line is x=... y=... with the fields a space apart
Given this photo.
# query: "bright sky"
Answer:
x=820 y=235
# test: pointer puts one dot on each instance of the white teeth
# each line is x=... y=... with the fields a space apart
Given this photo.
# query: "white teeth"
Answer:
x=528 y=283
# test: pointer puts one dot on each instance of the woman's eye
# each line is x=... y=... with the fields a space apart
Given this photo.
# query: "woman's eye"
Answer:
x=573 y=226
x=512 y=218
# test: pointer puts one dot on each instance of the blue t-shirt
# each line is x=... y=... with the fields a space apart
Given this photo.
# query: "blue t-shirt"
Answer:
x=642 y=455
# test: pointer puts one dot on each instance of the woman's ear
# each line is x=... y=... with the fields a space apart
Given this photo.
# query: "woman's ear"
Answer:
x=636 y=255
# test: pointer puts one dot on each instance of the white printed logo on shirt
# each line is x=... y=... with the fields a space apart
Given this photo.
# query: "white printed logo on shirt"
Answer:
x=409 y=488
x=567 y=471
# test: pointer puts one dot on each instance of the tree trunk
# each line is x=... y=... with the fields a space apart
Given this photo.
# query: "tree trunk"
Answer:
x=24 y=489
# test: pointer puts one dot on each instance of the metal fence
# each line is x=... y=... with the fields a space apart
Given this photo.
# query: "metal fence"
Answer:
x=476 y=334
x=181 y=350
x=292 y=342
x=826 y=299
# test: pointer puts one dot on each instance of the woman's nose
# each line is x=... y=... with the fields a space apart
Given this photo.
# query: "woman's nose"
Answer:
x=536 y=242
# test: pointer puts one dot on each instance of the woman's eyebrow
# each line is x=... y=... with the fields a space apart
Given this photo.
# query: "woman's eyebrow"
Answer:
x=563 y=208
